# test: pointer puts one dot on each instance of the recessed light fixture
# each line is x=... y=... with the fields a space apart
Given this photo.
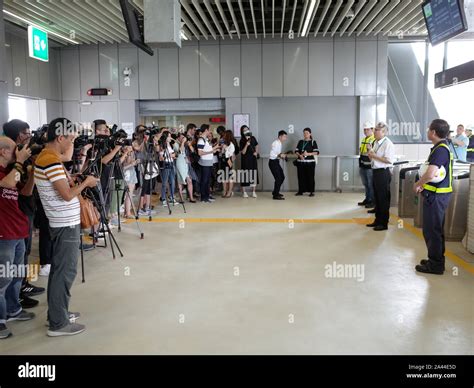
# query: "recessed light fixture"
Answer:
x=308 y=18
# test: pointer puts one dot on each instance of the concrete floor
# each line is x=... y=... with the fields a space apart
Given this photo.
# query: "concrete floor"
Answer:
x=176 y=291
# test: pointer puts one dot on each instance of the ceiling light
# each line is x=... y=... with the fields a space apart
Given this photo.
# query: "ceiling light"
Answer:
x=308 y=17
x=38 y=26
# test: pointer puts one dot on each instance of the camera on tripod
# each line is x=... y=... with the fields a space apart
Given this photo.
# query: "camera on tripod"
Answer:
x=37 y=141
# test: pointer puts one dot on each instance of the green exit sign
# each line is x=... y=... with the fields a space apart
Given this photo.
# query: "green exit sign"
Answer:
x=38 y=44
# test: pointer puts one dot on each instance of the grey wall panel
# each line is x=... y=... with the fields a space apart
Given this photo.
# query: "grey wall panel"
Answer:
x=108 y=70
x=230 y=70
x=107 y=110
x=272 y=65
x=381 y=108
x=128 y=57
x=55 y=74
x=366 y=68
x=89 y=65
x=148 y=75
x=32 y=75
x=295 y=69
x=367 y=112
x=209 y=71
x=19 y=53
x=321 y=68
x=189 y=72
x=71 y=110
x=70 y=88
x=382 y=60
x=250 y=106
x=344 y=67
x=169 y=72
x=251 y=77
x=3 y=103
x=54 y=109
x=233 y=105
x=128 y=112
x=9 y=68
x=44 y=80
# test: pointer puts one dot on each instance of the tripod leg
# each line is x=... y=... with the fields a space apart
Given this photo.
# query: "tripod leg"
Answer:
x=128 y=197
x=118 y=208
x=82 y=258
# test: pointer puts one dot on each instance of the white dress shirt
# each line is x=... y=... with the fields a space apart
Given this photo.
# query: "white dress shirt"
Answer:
x=276 y=149
x=383 y=148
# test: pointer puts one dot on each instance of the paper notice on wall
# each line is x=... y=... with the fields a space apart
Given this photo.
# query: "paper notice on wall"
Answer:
x=128 y=127
x=240 y=119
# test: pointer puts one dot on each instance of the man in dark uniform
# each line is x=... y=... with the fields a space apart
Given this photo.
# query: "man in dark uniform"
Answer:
x=436 y=197
x=470 y=147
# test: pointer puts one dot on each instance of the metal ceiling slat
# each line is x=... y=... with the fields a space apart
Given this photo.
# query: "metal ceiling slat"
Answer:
x=204 y=18
x=118 y=22
x=361 y=16
x=111 y=8
x=283 y=18
x=413 y=6
x=214 y=18
x=293 y=16
x=188 y=33
x=385 y=11
x=396 y=27
x=332 y=15
x=28 y=14
x=263 y=18
x=406 y=28
x=348 y=22
x=243 y=18
x=119 y=34
x=313 y=16
x=73 y=15
x=190 y=25
x=302 y=16
x=253 y=18
x=115 y=4
x=234 y=19
x=224 y=18
x=321 y=18
x=273 y=18
x=194 y=18
x=395 y=13
x=341 y=17
x=139 y=4
x=372 y=15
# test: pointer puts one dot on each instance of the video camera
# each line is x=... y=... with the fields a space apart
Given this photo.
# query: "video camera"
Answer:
x=37 y=141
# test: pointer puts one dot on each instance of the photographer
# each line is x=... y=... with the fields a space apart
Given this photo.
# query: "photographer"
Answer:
x=61 y=205
x=167 y=157
x=19 y=132
x=14 y=230
x=146 y=143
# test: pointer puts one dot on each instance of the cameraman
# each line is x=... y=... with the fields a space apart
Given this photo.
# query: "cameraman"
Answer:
x=61 y=204
x=14 y=229
x=19 y=132
x=106 y=174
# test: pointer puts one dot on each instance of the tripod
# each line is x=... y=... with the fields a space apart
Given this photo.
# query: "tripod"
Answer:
x=168 y=159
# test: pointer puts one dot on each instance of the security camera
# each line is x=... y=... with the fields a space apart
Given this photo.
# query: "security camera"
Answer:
x=127 y=72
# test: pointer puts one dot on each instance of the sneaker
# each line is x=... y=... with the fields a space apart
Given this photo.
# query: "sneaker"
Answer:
x=4 y=331
x=70 y=329
x=87 y=247
x=44 y=270
x=245 y=195
x=73 y=317
x=165 y=204
x=26 y=302
x=22 y=316
x=254 y=194
x=29 y=290
x=212 y=199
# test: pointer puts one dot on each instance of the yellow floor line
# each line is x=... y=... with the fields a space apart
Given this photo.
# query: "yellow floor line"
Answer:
x=450 y=255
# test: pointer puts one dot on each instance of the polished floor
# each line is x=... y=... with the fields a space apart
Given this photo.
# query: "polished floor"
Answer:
x=253 y=276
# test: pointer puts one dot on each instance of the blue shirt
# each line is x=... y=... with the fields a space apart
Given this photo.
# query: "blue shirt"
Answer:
x=441 y=157
x=461 y=150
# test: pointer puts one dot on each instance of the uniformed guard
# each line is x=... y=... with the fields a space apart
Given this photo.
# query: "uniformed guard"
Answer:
x=436 y=197
x=365 y=169
x=470 y=147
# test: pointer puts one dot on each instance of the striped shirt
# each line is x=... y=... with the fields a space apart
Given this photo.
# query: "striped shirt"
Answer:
x=49 y=169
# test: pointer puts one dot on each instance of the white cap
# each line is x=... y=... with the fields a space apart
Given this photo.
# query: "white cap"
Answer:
x=368 y=124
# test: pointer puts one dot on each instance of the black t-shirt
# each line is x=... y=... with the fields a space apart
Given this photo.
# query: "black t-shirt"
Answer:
x=308 y=146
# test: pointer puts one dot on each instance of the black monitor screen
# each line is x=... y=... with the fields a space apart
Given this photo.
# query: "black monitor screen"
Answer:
x=444 y=19
x=134 y=23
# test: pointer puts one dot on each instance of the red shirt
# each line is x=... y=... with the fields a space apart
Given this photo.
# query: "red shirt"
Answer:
x=13 y=222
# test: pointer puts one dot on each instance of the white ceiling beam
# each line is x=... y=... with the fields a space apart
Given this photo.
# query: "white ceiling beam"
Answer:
x=263 y=18
x=405 y=27
x=397 y=27
x=332 y=15
x=359 y=6
x=234 y=19
x=412 y=7
x=341 y=17
x=243 y=18
x=380 y=17
x=253 y=19
x=117 y=22
x=293 y=16
x=214 y=18
x=194 y=18
x=187 y=32
x=303 y=14
x=313 y=16
x=395 y=13
x=190 y=25
x=283 y=18
x=372 y=15
x=224 y=18
x=204 y=18
x=273 y=18
x=110 y=8
x=321 y=18
x=361 y=16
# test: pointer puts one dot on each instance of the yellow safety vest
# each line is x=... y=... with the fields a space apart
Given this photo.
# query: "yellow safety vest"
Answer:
x=363 y=144
x=442 y=190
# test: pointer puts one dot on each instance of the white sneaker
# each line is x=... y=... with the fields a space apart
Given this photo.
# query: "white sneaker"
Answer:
x=254 y=194
x=245 y=195
x=44 y=270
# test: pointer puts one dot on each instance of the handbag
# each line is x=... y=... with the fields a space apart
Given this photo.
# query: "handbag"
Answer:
x=89 y=214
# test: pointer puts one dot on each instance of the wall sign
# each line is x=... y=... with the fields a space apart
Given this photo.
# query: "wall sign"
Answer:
x=240 y=119
x=38 y=44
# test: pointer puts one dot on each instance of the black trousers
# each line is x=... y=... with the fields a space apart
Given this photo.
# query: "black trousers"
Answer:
x=434 y=210
x=205 y=182
x=278 y=174
x=382 y=178
x=305 y=176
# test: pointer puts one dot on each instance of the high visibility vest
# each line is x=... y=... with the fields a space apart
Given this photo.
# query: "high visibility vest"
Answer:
x=364 y=159
x=433 y=187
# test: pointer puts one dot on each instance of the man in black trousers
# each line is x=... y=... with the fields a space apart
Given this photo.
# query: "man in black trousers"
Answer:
x=274 y=164
x=382 y=156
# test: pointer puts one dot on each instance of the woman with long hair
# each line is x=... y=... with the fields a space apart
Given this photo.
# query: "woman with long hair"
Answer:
x=249 y=149
x=229 y=158
x=306 y=150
